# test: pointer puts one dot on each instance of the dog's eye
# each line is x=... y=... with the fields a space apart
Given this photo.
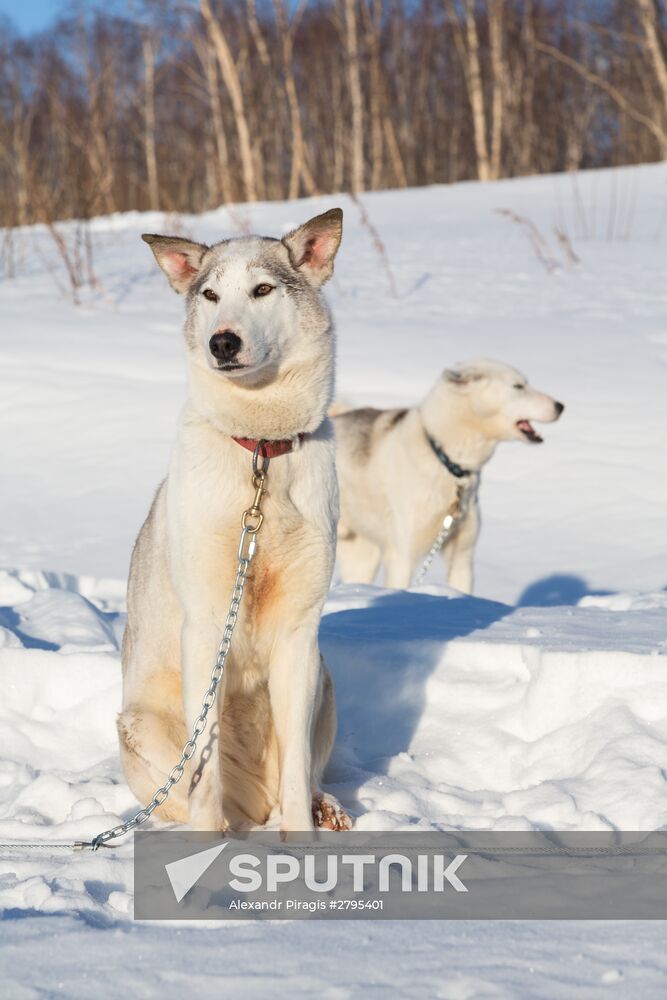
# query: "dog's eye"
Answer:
x=209 y=294
x=518 y=385
x=261 y=290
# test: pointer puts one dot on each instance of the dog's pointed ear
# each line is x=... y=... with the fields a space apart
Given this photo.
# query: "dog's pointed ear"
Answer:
x=313 y=246
x=462 y=375
x=179 y=259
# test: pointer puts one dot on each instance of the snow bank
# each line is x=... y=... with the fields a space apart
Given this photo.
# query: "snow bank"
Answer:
x=480 y=716
x=455 y=713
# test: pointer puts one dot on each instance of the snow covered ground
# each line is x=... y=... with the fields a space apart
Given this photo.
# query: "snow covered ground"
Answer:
x=540 y=704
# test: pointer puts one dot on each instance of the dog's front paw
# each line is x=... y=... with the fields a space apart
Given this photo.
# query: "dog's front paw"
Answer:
x=328 y=814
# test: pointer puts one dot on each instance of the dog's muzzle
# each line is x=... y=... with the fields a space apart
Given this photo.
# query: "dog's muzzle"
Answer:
x=225 y=347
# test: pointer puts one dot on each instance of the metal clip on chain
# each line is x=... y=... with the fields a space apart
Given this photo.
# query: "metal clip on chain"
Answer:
x=251 y=522
x=455 y=513
x=253 y=518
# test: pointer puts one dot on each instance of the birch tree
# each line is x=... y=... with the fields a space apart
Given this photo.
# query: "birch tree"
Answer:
x=654 y=43
x=232 y=82
x=466 y=39
x=150 y=152
x=351 y=44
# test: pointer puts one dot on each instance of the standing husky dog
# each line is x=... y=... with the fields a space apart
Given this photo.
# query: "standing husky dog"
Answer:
x=260 y=354
x=400 y=471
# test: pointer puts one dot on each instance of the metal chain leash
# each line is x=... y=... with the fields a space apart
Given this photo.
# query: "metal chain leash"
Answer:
x=251 y=522
x=455 y=514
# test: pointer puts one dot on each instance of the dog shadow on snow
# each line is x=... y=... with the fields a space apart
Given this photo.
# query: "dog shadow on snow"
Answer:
x=383 y=654
x=381 y=657
x=557 y=590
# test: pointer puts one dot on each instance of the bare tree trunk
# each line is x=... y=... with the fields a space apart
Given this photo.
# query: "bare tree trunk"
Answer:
x=21 y=169
x=424 y=164
x=98 y=148
x=299 y=168
x=576 y=131
x=496 y=16
x=148 y=49
x=96 y=138
x=525 y=99
x=467 y=43
x=351 y=41
x=224 y=191
x=233 y=85
x=374 y=21
x=257 y=36
x=476 y=92
x=395 y=153
x=21 y=127
x=648 y=16
x=383 y=133
x=337 y=154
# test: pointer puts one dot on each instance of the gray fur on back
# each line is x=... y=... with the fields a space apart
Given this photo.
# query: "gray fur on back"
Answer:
x=362 y=427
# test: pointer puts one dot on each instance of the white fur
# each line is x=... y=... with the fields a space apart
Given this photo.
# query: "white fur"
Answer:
x=269 y=744
x=394 y=490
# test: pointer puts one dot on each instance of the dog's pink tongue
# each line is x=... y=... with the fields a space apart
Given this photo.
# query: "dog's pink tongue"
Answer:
x=529 y=431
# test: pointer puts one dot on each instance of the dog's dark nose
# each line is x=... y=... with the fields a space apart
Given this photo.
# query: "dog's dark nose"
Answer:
x=225 y=346
x=559 y=408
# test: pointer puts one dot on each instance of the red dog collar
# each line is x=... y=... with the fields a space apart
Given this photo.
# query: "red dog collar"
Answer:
x=269 y=449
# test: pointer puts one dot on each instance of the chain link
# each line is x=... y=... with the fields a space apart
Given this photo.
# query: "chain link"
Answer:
x=251 y=523
x=456 y=513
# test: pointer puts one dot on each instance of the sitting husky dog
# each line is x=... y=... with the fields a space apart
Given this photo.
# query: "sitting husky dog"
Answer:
x=402 y=471
x=260 y=355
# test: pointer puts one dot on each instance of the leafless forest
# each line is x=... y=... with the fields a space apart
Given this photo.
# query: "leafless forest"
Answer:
x=182 y=108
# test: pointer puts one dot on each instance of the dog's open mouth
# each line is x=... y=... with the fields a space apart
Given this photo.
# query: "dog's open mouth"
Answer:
x=529 y=431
